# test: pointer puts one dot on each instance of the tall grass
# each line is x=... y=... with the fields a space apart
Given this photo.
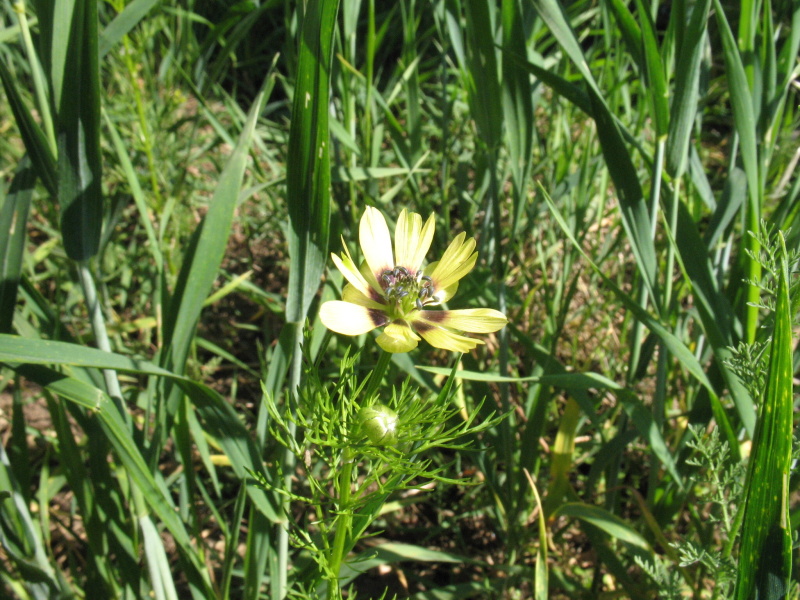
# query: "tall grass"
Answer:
x=172 y=175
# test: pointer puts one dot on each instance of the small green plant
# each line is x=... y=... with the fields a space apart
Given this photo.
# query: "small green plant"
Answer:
x=356 y=452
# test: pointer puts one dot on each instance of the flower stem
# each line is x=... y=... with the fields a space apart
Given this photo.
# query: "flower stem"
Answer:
x=344 y=521
x=377 y=374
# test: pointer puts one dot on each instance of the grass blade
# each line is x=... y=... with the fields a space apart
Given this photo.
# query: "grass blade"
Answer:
x=220 y=419
x=13 y=221
x=517 y=104
x=602 y=519
x=673 y=344
x=153 y=490
x=765 y=556
x=207 y=249
x=308 y=171
x=633 y=208
x=32 y=135
x=744 y=118
x=684 y=101
x=76 y=85
x=122 y=24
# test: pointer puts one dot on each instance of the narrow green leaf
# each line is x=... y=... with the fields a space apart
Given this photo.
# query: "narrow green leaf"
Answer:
x=123 y=23
x=733 y=198
x=76 y=85
x=136 y=191
x=345 y=174
x=765 y=556
x=207 y=248
x=633 y=208
x=481 y=72
x=716 y=315
x=13 y=222
x=32 y=135
x=601 y=518
x=630 y=30
x=641 y=417
x=517 y=104
x=744 y=119
x=654 y=71
x=308 y=170
x=687 y=78
x=219 y=418
x=23 y=543
x=154 y=491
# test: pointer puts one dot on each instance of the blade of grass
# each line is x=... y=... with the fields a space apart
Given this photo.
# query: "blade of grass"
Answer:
x=220 y=419
x=32 y=135
x=25 y=546
x=201 y=264
x=765 y=556
x=13 y=223
x=75 y=80
x=308 y=163
x=153 y=490
x=744 y=118
x=129 y=18
x=541 y=572
x=684 y=101
x=604 y=520
x=308 y=177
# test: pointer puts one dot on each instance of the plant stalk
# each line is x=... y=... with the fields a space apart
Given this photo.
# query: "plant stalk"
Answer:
x=345 y=519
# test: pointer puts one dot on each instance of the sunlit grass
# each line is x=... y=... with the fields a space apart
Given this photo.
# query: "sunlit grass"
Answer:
x=609 y=159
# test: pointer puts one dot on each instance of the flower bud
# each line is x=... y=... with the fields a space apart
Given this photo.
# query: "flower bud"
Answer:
x=379 y=423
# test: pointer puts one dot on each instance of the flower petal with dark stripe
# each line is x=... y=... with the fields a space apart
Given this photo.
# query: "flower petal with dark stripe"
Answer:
x=393 y=290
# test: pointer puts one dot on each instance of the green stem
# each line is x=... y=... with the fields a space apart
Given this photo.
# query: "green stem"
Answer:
x=288 y=465
x=100 y=332
x=377 y=374
x=343 y=525
x=344 y=521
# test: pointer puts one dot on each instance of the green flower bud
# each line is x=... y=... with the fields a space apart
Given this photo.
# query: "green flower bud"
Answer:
x=379 y=423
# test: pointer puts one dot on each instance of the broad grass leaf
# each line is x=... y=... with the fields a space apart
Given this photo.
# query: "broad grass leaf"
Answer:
x=308 y=172
x=604 y=520
x=75 y=81
x=684 y=101
x=673 y=344
x=744 y=119
x=207 y=248
x=13 y=223
x=633 y=208
x=765 y=555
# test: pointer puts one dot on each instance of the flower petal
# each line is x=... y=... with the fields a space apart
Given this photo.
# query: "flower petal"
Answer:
x=350 y=319
x=457 y=261
x=474 y=320
x=439 y=337
x=411 y=240
x=376 y=243
x=350 y=271
x=397 y=337
x=352 y=294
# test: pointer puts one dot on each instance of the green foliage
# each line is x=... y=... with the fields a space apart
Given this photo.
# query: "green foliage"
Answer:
x=173 y=174
x=348 y=473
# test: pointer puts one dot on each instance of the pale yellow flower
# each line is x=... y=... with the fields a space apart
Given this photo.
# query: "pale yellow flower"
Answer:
x=393 y=291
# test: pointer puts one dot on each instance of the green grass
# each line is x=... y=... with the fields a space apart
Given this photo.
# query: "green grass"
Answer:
x=175 y=176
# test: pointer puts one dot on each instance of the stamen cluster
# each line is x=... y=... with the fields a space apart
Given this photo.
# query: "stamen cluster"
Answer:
x=400 y=283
